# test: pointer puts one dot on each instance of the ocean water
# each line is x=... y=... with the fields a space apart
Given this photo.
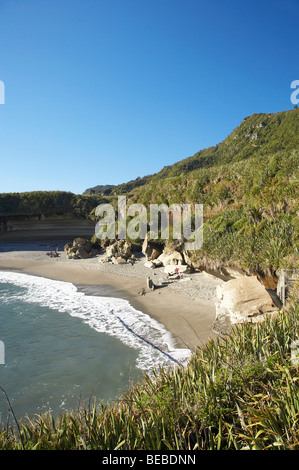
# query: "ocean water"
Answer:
x=63 y=347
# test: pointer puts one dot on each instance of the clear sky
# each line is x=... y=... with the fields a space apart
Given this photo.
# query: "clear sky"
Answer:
x=104 y=91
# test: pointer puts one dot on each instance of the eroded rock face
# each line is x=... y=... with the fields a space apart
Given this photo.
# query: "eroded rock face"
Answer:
x=120 y=248
x=151 y=249
x=242 y=300
x=79 y=249
x=171 y=257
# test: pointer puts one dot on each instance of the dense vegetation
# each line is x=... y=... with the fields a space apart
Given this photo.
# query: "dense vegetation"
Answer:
x=248 y=185
x=47 y=202
x=258 y=135
x=237 y=393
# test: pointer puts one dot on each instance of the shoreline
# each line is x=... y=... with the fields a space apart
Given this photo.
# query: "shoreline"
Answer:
x=184 y=314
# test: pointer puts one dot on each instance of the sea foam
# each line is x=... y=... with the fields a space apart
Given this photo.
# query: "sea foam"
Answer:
x=112 y=316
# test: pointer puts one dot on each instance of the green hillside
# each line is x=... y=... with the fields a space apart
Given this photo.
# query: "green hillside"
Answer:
x=248 y=185
x=257 y=135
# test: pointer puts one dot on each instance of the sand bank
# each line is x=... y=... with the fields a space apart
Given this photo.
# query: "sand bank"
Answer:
x=186 y=307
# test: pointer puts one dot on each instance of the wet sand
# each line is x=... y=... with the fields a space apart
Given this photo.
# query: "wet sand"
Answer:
x=186 y=307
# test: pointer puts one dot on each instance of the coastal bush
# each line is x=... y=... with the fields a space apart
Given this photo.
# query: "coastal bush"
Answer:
x=37 y=203
x=250 y=199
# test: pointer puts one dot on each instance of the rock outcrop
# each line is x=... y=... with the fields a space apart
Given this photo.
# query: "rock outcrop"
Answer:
x=151 y=250
x=171 y=256
x=119 y=248
x=118 y=252
x=242 y=300
x=79 y=249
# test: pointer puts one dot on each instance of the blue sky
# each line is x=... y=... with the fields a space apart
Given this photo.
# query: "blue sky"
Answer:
x=104 y=91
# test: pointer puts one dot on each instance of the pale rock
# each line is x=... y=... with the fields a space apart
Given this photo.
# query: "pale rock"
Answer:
x=243 y=300
x=295 y=353
x=157 y=263
x=119 y=260
x=151 y=250
x=153 y=264
x=155 y=253
x=177 y=269
x=171 y=258
x=231 y=272
x=149 y=264
x=188 y=257
x=111 y=250
x=105 y=259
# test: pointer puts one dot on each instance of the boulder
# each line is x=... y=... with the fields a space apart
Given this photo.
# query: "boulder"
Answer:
x=231 y=272
x=83 y=243
x=151 y=250
x=169 y=257
x=106 y=259
x=157 y=263
x=177 y=269
x=119 y=260
x=111 y=250
x=68 y=247
x=82 y=253
x=119 y=248
x=242 y=300
x=155 y=253
x=188 y=257
x=149 y=264
x=153 y=264
x=79 y=249
x=72 y=256
x=126 y=249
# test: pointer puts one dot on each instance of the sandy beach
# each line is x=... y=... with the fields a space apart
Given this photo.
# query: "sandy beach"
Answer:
x=186 y=307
